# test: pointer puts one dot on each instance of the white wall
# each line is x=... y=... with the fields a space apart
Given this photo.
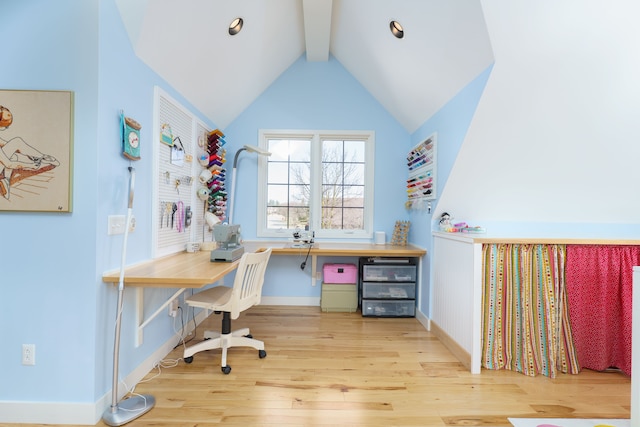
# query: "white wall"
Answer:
x=555 y=138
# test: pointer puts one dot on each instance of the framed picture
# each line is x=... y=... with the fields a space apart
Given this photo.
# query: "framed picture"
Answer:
x=36 y=150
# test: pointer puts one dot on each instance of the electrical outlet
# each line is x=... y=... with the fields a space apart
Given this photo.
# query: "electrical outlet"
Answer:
x=116 y=224
x=28 y=354
x=173 y=307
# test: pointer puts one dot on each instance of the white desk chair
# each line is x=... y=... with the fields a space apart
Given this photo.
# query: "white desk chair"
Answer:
x=245 y=293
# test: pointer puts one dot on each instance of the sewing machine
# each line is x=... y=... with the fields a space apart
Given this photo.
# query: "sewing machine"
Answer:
x=229 y=243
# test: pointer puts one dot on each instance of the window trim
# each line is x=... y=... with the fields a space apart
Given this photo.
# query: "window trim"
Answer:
x=315 y=210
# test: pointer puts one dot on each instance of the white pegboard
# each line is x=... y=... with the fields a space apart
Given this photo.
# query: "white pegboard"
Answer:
x=176 y=179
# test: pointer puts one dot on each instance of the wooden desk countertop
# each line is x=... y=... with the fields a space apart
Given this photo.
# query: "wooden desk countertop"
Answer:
x=195 y=269
x=336 y=249
x=180 y=270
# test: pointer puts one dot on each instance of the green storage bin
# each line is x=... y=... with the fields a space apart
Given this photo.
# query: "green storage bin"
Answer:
x=341 y=297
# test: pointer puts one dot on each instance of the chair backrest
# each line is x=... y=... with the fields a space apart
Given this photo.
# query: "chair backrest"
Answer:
x=247 y=285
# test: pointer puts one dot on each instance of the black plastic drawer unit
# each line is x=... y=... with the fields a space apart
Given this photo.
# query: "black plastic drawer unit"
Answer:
x=388 y=287
x=389 y=290
x=386 y=308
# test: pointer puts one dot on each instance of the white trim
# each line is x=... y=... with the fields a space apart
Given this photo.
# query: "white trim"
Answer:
x=316 y=136
x=301 y=301
x=81 y=413
x=424 y=320
x=48 y=413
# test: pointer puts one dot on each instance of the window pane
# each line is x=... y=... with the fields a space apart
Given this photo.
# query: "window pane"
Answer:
x=300 y=151
x=332 y=151
x=332 y=173
x=354 y=173
x=354 y=151
x=279 y=149
x=331 y=195
x=353 y=196
x=299 y=195
x=331 y=218
x=277 y=218
x=300 y=173
x=278 y=173
x=353 y=219
x=289 y=150
x=277 y=195
x=299 y=218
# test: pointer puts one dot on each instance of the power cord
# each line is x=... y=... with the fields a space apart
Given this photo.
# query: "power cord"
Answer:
x=304 y=263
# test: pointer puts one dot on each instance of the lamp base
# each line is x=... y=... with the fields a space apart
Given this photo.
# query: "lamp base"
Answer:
x=128 y=410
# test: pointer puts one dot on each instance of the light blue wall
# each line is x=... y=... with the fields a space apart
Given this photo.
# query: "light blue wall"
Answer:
x=51 y=264
x=318 y=96
x=48 y=263
x=450 y=123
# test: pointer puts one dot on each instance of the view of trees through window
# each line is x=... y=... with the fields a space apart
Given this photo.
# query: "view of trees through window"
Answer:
x=295 y=187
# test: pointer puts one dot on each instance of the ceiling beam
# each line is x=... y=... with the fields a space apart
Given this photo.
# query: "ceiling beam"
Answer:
x=317 y=28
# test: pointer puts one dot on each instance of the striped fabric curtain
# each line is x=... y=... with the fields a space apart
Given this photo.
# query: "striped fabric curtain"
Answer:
x=526 y=324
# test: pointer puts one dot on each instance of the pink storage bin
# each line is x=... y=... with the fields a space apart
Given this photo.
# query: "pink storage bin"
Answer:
x=340 y=273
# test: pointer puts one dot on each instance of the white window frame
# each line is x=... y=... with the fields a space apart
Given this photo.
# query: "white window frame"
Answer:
x=315 y=207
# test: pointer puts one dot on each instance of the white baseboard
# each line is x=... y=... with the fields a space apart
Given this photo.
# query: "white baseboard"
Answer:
x=303 y=301
x=85 y=413
x=48 y=413
x=424 y=320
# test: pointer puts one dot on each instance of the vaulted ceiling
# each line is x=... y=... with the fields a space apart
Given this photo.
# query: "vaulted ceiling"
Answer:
x=445 y=46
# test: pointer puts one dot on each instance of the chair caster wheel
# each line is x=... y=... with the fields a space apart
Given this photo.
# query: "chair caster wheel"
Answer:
x=226 y=369
x=262 y=354
x=188 y=359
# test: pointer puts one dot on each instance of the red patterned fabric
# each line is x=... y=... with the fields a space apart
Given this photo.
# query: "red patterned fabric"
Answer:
x=599 y=289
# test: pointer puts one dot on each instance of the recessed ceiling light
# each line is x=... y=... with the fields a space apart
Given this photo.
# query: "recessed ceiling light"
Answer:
x=236 y=26
x=396 y=29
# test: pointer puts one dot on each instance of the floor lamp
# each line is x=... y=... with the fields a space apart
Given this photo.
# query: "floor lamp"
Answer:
x=129 y=409
x=250 y=149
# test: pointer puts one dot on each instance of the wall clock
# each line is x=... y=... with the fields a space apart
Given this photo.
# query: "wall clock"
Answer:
x=131 y=138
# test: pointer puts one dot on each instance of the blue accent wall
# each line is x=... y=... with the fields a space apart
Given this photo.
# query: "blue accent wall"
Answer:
x=450 y=123
x=48 y=262
x=317 y=96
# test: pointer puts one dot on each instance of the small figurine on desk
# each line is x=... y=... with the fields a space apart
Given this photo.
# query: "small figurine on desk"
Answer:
x=445 y=222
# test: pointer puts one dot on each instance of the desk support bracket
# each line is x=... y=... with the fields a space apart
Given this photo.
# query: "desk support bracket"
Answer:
x=314 y=270
x=140 y=312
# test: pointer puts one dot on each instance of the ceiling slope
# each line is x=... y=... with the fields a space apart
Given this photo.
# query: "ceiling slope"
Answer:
x=445 y=47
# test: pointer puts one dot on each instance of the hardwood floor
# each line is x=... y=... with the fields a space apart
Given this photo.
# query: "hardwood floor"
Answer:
x=340 y=369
